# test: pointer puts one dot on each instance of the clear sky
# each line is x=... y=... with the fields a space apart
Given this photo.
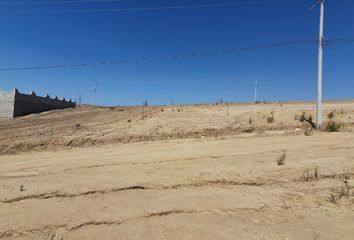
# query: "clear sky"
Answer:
x=284 y=73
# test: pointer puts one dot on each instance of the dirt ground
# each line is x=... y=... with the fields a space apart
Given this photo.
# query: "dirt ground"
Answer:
x=223 y=182
x=85 y=127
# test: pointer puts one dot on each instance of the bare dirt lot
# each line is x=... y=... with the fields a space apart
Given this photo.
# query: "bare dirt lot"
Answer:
x=220 y=180
x=84 y=126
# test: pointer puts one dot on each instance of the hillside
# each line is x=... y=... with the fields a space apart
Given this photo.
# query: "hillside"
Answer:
x=85 y=126
x=103 y=174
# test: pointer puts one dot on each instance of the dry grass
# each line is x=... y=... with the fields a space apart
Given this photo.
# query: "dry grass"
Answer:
x=281 y=159
x=165 y=189
x=344 y=191
x=332 y=126
x=310 y=174
x=61 y=129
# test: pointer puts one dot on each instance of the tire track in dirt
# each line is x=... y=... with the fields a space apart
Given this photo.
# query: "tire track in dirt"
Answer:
x=197 y=184
x=53 y=230
x=136 y=163
x=49 y=229
x=57 y=194
x=163 y=162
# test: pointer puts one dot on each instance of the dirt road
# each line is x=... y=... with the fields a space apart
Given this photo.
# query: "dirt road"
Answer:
x=183 y=189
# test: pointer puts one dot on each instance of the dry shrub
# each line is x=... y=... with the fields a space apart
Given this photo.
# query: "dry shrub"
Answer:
x=310 y=174
x=331 y=115
x=345 y=190
x=302 y=117
x=281 y=159
x=332 y=126
x=270 y=119
x=308 y=130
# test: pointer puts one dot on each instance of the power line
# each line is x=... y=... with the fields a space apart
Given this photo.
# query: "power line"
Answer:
x=58 y=2
x=285 y=87
x=342 y=40
x=158 y=59
x=150 y=8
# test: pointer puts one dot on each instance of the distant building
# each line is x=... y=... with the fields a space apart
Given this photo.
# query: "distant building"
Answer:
x=16 y=104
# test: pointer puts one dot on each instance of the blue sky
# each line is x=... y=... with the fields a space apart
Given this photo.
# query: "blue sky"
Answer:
x=285 y=73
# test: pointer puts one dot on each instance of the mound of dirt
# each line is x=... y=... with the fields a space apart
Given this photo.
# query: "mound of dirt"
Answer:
x=85 y=126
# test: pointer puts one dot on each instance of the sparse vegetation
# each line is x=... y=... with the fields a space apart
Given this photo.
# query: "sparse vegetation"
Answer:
x=345 y=190
x=316 y=174
x=281 y=159
x=302 y=117
x=175 y=153
x=310 y=174
x=308 y=130
x=271 y=118
x=332 y=126
x=308 y=119
x=331 y=115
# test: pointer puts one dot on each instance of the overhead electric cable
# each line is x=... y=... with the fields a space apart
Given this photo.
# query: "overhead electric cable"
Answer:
x=157 y=59
x=58 y=2
x=342 y=40
x=149 y=8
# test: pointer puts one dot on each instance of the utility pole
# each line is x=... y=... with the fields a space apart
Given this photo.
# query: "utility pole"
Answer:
x=94 y=89
x=256 y=90
x=142 y=111
x=227 y=107
x=79 y=99
x=320 y=65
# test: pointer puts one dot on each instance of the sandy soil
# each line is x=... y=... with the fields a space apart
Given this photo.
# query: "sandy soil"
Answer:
x=226 y=185
x=183 y=189
x=83 y=127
